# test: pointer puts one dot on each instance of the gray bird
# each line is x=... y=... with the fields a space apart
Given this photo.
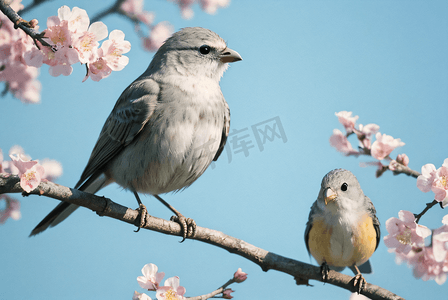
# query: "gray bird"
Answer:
x=342 y=229
x=166 y=127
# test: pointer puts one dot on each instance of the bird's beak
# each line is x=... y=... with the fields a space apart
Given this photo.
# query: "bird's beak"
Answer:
x=329 y=195
x=229 y=55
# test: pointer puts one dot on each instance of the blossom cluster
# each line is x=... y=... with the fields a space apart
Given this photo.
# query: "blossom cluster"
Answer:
x=73 y=40
x=407 y=240
x=380 y=149
x=31 y=173
x=151 y=281
x=20 y=78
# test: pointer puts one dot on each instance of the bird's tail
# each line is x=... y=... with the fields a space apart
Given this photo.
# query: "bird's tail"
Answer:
x=65 y=209
x=365 y=268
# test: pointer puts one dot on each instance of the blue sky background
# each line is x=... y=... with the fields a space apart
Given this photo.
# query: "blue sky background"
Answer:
x=303 y=61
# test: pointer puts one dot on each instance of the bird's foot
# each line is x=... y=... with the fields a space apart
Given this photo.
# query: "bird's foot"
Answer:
x=143 y=213
x=188 y=225
x=359 y=282
x=324 y=269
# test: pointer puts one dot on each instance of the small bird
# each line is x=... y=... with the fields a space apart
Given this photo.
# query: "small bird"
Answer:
x=166 y=127
x=342 y=228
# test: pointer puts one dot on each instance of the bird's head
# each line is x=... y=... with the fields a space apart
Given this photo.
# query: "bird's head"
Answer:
x=340 y=190
x=195 y=51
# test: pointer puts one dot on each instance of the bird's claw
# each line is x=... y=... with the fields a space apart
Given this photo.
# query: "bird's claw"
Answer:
x=324 y=269
x=359 y=281
x=188 y=226
x=143 y=213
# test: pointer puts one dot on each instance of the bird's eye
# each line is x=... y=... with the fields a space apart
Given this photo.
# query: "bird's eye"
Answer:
x=204 y=49
x=344 y=187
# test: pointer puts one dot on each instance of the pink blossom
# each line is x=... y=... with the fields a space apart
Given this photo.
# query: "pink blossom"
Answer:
x=140 y=296
x=346 y=119
x=62 y=55
x=52 y=169
x=339 y=141
x=211 y=6
x=29 y=90
x=87 y=43
x=16 y=5
x=151 y=278
x=14 y=47
x=113 y=49
x=402 y=159
x=171 y=290
x=134 y=9
x=12 y=209
x=440 y=184
x=185 y=8
x=434 y=180
x=8 y=166
x=440 y=243
x=365 y=133
x=77 y=19
x=426 y=179
x=226 y=294
x=24 y=87
x=58 y=33
x=445 y=220
x=159 y=34
x=98 y=70
x=30 y=172
x=384 y=145
x=239 y=276
x=146 y=17
x=404 y=233
x=16 y=150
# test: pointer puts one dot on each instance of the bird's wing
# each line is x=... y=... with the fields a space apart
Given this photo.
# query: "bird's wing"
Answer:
x=309 y=224
x=376 y=223
x=225 y=132
x=130 y=114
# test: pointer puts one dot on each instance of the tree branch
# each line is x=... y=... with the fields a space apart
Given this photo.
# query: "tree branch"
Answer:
x=214 y=293
x=265 y=259
x=22 y=24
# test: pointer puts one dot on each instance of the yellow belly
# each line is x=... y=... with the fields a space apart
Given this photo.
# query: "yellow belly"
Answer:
x=326 y=243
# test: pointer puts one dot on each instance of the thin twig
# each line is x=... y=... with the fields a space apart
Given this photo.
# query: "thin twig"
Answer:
x=428 y=207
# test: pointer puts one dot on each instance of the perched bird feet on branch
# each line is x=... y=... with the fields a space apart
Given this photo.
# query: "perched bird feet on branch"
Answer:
x=358 y=281
x=143 y=213
x=324 y=269
x=188 y=225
